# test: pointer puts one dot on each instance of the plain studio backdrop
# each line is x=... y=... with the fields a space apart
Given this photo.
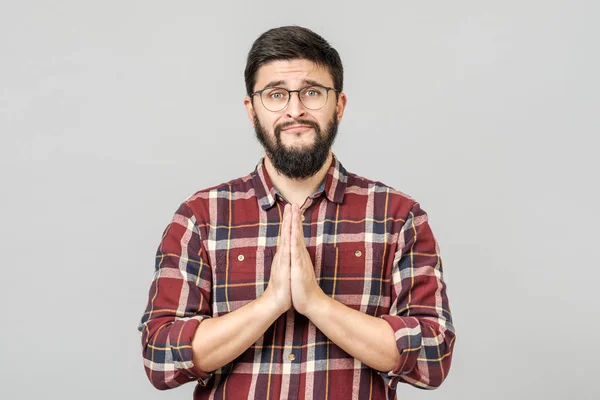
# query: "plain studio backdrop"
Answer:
x=113 y=112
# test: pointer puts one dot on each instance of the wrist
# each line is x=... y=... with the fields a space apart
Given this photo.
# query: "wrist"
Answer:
x=271 y=303
x=317 y=306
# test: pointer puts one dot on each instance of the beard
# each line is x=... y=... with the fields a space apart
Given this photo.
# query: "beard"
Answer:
x=298 y=162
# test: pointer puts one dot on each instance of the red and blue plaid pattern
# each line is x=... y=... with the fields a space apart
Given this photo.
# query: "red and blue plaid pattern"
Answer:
x=372 y=249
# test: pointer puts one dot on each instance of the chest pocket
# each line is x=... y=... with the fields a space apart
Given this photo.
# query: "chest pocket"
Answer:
x=354 y=276
x=240 y=276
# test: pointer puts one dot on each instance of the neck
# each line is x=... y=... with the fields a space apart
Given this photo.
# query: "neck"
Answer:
x=296 y=191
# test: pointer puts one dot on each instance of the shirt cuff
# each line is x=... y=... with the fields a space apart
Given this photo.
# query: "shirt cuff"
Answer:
x=407 y=332
x=181 y=336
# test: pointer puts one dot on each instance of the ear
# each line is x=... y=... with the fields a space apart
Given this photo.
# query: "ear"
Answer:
x=249 y=109
x=340 y=106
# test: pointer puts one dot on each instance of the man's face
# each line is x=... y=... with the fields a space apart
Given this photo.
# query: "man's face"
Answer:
x=296 y=139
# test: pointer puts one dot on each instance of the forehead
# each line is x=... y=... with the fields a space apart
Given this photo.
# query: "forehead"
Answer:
x=293 y=73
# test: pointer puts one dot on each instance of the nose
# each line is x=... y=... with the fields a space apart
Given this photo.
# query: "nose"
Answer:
x=295 y=108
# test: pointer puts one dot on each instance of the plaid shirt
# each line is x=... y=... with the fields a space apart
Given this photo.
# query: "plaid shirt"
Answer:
x=372 y=249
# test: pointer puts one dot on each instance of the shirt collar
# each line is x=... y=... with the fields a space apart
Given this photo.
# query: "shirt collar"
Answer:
x=334 y=184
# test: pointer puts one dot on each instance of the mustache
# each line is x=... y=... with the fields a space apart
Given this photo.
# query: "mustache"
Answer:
x=284 y=125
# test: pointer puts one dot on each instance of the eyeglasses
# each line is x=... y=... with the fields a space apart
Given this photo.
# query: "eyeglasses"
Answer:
x=276 y=98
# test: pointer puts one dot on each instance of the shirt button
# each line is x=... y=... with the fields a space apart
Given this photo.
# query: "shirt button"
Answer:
x=358 y=253
x=241 y=257
x=292 y=357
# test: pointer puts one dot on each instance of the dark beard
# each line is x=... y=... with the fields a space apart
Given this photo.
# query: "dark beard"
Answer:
x=298 y=163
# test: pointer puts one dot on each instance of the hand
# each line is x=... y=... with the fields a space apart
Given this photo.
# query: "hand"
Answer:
x=279 y=281
x=305 y=289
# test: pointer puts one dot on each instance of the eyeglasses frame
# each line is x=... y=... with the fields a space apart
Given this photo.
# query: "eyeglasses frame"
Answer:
x=290 y=96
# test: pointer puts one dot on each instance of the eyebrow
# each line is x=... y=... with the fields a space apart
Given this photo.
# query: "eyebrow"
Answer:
x=280 y=83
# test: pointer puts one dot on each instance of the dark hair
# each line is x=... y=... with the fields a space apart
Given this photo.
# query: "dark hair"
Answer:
x=289 y=43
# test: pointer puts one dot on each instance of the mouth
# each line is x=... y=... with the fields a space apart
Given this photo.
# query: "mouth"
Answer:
x=296 y=128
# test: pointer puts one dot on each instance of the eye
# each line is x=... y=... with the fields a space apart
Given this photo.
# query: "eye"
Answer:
x=276 y=94
x=313 y=91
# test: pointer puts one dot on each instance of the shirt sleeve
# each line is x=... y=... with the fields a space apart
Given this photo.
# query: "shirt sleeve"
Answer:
x=178 y=301
x=419 y=313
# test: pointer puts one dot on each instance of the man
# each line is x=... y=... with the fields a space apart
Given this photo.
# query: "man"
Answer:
x=300 y=280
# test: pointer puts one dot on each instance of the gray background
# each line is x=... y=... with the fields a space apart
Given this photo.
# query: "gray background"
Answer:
x=112 y=113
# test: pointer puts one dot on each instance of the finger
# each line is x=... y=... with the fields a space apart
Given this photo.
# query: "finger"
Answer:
x=275 y=261
x=299 y=230
x=293 y=232
x=300 y=241
x=284 y=223
x=288 y=224
x=280 y=243
x=285 y=235
x=297 y=234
